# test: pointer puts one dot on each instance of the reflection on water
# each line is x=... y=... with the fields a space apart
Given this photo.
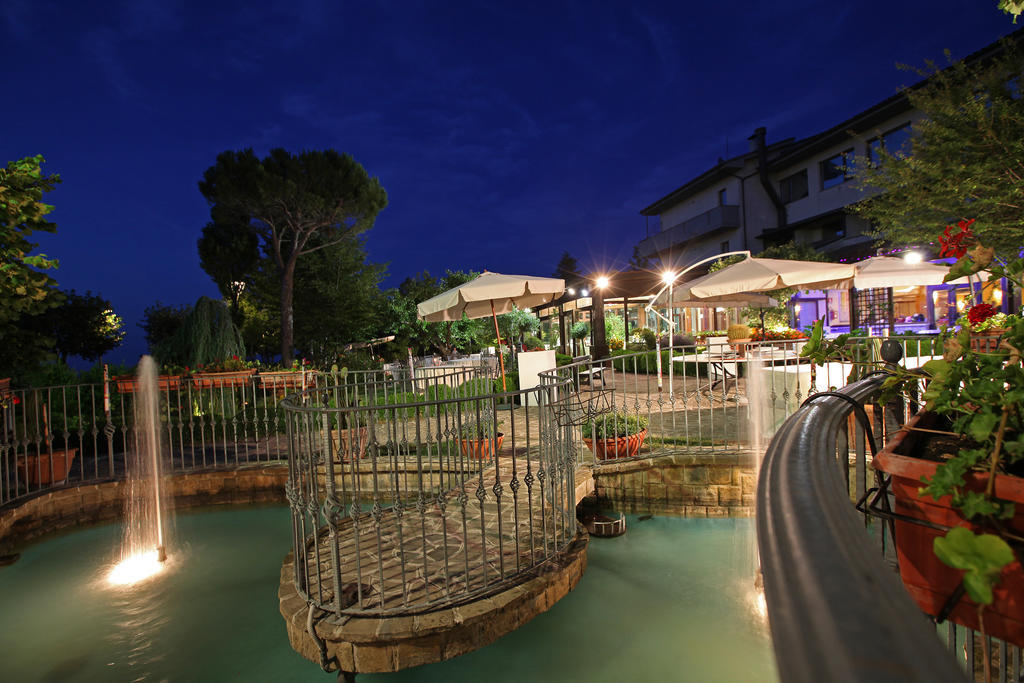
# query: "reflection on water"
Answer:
x=139 y=612
x=669 y=601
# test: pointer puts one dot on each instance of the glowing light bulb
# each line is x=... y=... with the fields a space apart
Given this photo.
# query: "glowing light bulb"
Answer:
x=913 y=257
x=668 y=276
x=602 y=282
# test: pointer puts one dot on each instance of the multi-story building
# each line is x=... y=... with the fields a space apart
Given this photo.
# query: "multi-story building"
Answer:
x=790 y=190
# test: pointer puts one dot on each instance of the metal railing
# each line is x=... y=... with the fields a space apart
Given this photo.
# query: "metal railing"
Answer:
x=404 y=506
x=715 y=397
x=837 y=609
x=74 y=434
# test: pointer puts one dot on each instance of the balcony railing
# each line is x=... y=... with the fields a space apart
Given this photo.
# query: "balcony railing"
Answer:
x=836 y=607
x=718 y=218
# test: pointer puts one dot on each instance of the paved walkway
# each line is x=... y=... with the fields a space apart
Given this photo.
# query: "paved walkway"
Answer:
x=447 y=548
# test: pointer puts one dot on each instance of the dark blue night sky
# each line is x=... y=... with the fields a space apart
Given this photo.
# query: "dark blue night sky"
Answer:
x=503 y=134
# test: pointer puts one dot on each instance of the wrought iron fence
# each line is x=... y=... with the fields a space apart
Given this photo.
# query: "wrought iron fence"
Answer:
x=836 y=607
x=401 y=506
x=66 y=435
x=716 y=396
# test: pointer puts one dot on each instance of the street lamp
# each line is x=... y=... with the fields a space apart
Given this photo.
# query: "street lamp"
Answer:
x=913 y=257
x=602 y=282
x=669 y=278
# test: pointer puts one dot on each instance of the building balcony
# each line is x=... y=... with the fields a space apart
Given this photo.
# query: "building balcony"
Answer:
x=719 y=218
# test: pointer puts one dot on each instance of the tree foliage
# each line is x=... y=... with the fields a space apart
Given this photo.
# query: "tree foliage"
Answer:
x=207 y=335
x=229 y=253
x=160 y=322
x=568 y=268
x=429 y=337
x=24 y=288
x=83 y=325
x=966 y=159
x=295 y=205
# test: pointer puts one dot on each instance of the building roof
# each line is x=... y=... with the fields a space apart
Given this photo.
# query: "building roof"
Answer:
x=877 y=114
x=723 y=169
x=788 y=152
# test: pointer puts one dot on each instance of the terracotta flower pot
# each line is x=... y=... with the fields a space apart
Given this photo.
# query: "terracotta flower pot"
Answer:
x=36 y=469
x=280 y=379
x=926 y=578
x=740 y=346
x=480 y=449
x=235 y=378
x=986 y=341
x=620 y=447
x=130 y=384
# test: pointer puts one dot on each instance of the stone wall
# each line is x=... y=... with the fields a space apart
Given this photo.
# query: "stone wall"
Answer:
x=384 y=644
x=688 y=485
x=100 y=502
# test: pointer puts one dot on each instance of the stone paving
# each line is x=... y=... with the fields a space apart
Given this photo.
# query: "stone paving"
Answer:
x=444 y=549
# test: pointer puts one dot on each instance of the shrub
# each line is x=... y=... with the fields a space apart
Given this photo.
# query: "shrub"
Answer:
x=614 y=327
x=647 y=363
x=614 y=425
x=678 y=340
x=533 y=344
x=647 y=337
x=580 y=330
x=397 y=399
x=562 y=359
x=738 y=331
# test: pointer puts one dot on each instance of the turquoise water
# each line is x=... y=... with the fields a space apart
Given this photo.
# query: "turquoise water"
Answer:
x=669 y=601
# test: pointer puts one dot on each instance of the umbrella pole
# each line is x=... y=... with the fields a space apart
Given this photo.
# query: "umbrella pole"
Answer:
x=501 y=356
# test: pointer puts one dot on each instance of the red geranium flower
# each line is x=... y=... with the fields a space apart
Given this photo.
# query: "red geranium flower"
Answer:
x=980 y=313
x=955 y=243
x=16 y=400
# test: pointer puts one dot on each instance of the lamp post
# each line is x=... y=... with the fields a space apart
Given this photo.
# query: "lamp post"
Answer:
x=597 y=331
x=669 y=278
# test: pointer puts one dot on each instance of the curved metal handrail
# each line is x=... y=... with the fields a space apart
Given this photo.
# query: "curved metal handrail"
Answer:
x=837 y=611
x=398 y=509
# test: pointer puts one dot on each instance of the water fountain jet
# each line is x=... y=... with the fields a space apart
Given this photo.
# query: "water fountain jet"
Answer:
x=143 y=547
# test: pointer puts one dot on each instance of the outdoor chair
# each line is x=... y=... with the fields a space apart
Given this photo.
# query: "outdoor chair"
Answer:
x=590 y=374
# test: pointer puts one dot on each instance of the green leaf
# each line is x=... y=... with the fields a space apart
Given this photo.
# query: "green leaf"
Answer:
x=936 y=368
x=963 y=267
x=982 y=556
x=982 y=425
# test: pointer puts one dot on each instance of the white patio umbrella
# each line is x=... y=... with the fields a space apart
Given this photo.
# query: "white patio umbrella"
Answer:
x=753 y=275
x=891 y=271
x=491 y=294
x=765 y=274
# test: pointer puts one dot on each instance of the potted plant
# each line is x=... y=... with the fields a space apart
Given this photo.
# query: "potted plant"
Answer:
x=170 y=378
x=615 y=435
x=738 y=336
x=479 y=438
x=957 y=464
x=49 y=465
x=231 y=372
x=293 y=377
